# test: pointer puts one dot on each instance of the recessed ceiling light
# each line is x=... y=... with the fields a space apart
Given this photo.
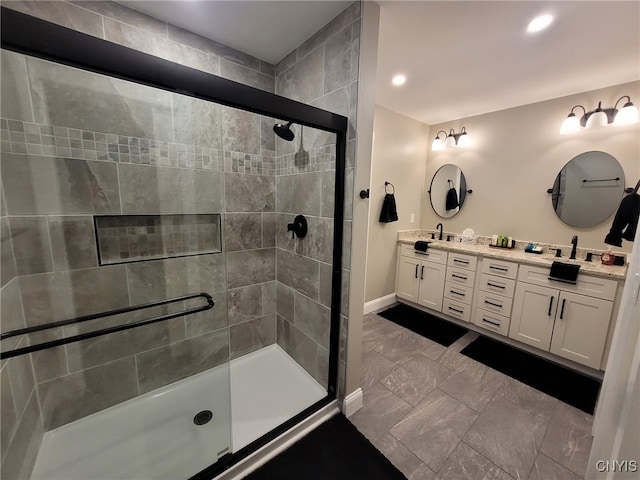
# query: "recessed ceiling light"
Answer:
x=398 y=80
x=539 y=23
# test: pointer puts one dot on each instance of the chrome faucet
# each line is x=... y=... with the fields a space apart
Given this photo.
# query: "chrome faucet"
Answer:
x=439 y=227
x=574 y=242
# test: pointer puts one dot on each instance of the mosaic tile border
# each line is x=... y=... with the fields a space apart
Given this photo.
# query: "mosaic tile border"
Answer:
x=319 y=159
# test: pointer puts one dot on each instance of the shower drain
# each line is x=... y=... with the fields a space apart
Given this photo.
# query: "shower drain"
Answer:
x=203 y=417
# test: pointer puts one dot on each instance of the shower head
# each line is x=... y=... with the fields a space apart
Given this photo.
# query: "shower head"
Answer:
x=284 y=131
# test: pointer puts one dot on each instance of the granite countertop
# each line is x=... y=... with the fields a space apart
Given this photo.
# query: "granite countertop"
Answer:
x=517 y=254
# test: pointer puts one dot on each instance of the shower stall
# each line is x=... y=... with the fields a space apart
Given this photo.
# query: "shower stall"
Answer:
x=163 y=315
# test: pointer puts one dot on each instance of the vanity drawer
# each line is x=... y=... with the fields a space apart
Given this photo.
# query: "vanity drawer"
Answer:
x=458 y=292
x=499 y=267
x=494 y=303
x=586 y=285
x=431 y=255
x=462 y=261
x=492 y=321
x=460 y=276
x=457 y=309
x=501 y=286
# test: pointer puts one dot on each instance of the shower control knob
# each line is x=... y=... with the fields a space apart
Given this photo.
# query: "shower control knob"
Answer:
x=298 y=227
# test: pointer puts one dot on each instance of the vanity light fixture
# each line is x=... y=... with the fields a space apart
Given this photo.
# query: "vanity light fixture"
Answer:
x=627 y=115
x=452 y=139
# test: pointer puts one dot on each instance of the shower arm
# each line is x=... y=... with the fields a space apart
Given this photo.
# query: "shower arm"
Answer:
x=104 y=331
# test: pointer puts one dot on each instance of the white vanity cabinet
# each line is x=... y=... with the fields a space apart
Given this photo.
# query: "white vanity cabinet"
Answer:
x=568 y=320
x=421 y=276
x=458 y=287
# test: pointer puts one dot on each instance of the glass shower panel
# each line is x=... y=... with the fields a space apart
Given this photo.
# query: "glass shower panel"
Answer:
x=90 y=160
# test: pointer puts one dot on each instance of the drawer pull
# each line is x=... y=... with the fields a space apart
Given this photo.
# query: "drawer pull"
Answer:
x=456 y=310
x=502 y=269
x=417 y=252
x=465 y=262
x=562 y=309
x=458 y=293
x=422 y=273
x=496 y=286
x=459 y=276
x=490 y=322
x=550 y=304
x=493 y=304
x=416 y=270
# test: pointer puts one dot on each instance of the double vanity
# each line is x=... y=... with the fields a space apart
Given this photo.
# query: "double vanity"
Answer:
x=508 y=294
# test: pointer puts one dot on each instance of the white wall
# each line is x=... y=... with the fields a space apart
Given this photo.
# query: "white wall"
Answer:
x=514 y=158
x=400 y=157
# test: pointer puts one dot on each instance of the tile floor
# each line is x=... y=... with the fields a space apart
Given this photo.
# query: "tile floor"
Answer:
x=437 y=414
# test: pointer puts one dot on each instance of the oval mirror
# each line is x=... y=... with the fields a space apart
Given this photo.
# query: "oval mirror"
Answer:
x=447 y=191
x=588 y=189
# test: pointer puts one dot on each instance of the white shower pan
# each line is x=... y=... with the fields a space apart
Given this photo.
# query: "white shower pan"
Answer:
x=154 y=436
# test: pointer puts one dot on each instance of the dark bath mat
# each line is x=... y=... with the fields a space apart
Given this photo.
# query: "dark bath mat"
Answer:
x=562 y=383
x=433 y=328
x=335 y=450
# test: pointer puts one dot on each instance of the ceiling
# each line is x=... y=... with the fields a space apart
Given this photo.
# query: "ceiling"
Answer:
x=461 y=58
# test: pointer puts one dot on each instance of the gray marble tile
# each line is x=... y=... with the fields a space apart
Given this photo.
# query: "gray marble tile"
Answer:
x=299 y=273
x=346 y=245
x=148 y=189
x=8 y=415
x=528 y=398
x=252 y=335
x=327 y=203
x=267 y=136
x=68 y=97
x=247 y=76
x=299 y=194
x=337 y=60
x=74 y=396
x=269 y=298
x=61 y=13
x=415 y=378
x=209 y=321
x=321 y=373
x=22 y=381
x=474 y=386
x=303 y=81
x=250 y=267
x=312 y=318
x=269 y=230
x=197 y=122
x=11 y=311
x=434 y=428
x=348 y=193
x=106 y=348
x=380 y=412
x=159 y=46
x=244 y=303
x=31 y=244
x=126 y=15
x=338 y=101
x=54 y=296
x=289 y=60
x=249 y=193
x=374 y=332
x=173 y=277
x=318 y=243
x=375 y=367
x=284 y=303
x=355 y=50
x=302 y=348
x=401 y=344
x=168 y=364
x=15 y=103
x=243 y=231
x=467 y=464
x=326 y=278
x=240 y=131
x=7 y=260
x=400 y=456
x=72 y=242
x=22 y=452
x=48 y=185
x=284 y=239
x=52 y=362
x=568 y=439
x=546 y=469
x=508 y=435
x=267 y=68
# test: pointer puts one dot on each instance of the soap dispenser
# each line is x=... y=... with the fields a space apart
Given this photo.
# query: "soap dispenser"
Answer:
x=608 y=258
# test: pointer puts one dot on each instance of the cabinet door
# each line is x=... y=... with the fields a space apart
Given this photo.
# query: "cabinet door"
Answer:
x=432 y=277
x=534 y=310
x=408 y=278
x=581 y=328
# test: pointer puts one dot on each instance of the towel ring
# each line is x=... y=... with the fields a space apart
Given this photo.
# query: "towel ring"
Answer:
x=393 y=189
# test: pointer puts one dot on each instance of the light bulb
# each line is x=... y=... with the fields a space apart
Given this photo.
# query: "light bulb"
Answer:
x=627 y=116
x=571 y=124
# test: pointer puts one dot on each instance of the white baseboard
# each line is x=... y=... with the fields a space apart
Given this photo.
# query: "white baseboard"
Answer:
x=379 y=303
x=266 y=453
x=352 y=403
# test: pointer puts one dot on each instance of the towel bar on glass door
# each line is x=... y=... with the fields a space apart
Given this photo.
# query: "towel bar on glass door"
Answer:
x=103 y=331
